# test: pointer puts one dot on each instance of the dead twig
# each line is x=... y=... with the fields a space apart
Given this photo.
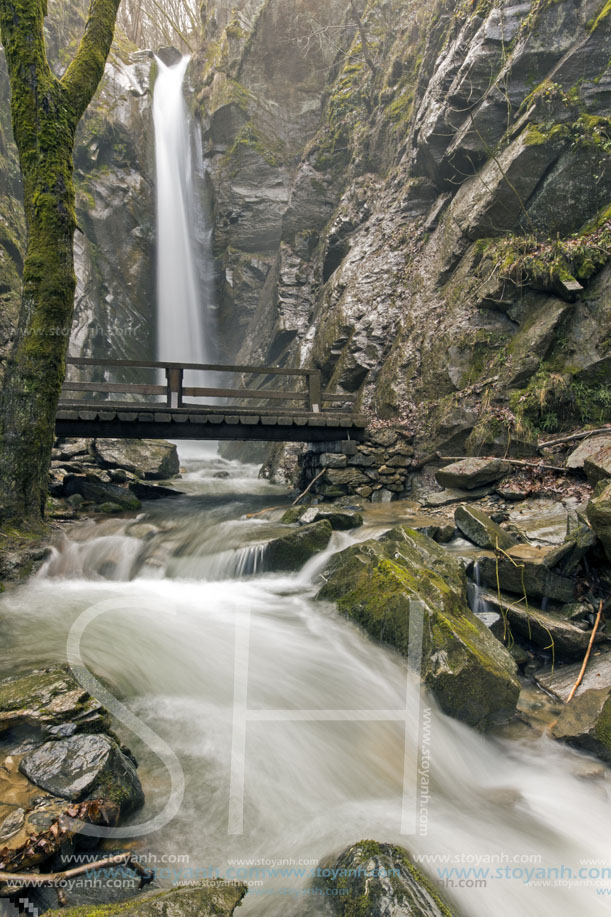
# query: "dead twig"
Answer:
x=587 y=656
x=308 y=488
x=50 y=879
x=574 y=436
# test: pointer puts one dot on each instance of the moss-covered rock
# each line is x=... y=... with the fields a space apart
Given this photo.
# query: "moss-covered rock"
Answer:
x=46 y=698
x=211 y=900
x=291 y=551
x=374 y=880
x=376 y=583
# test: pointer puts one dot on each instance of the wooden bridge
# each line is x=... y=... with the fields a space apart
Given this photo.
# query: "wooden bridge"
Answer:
x=127 y=409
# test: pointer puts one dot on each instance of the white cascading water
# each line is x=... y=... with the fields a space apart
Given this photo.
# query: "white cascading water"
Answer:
x=181 y=314
x=314 y=786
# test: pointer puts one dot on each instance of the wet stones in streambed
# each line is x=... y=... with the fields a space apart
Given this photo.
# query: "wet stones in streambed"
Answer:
x=599 y=516
x=93 y=490
x=85 y=767
x=380 y=879
x=525 y=570
x=542 y=629
x=471 y=473
x=49 y=699
x=376 y=584
x=339 y=518
x=148 y=458
x=291 y=551
x=212 y=899
x=585 y=723
x=481 y=530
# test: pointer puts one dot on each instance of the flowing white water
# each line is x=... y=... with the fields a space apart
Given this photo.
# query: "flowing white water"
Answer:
x=182 y=332
x=311 y=786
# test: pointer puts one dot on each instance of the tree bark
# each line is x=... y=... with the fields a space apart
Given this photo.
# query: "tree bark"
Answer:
x=45 y=112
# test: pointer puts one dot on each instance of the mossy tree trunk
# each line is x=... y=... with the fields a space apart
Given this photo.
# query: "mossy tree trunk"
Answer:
x=45 y=113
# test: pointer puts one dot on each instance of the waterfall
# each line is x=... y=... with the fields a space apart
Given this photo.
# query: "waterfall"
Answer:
x=182 y=333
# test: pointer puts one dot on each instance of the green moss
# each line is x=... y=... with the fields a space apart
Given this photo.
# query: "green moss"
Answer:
x=251 y=137
x=604 y=14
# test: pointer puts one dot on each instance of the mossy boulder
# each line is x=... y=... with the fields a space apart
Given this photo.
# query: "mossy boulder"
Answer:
x=599 y=515
x=340 y=519
x=291 y=551
x=374 y=880
x=214 y=899
x=85 y=767
x=481 y=530
x=48 y=698
x=95 y=491
x=375 y=583
x=585 y=723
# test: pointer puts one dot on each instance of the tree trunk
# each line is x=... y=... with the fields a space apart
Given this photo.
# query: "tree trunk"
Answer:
x=45 y=113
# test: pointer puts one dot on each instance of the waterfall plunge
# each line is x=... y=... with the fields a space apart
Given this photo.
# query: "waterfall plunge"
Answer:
x=181 y=318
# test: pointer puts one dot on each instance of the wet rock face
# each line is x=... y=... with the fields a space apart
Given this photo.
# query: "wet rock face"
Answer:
x=290 y=552
x=376 y=583
x=49 y=698
x=380 y=880
x=85 y=766
x=527 y=569
x=599 y=516
x=214 y=899
x=148 y=458
x=585 y=723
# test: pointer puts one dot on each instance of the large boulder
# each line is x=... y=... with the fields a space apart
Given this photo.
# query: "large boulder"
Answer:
x=380 y=880
x=148 y=458
x=210 y=899
x=597 y=465
x=481 y=530
x=92 y=490
x=50 y=699
x=525 y=570
x=588 y=448
x=85 y=767
x=472 y=472
x=585 y=723
x=599 y=516
x=291 y=551
x=374 y=583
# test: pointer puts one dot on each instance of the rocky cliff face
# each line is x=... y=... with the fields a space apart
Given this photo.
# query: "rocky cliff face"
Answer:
x=440 y=247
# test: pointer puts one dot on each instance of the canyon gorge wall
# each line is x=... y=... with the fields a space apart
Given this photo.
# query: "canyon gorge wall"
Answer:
x=412 y=197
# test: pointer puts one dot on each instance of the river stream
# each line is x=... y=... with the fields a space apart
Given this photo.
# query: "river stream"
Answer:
x=214 y=638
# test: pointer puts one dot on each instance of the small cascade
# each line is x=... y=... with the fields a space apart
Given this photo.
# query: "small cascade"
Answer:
x=476 y=601
x=109 y=557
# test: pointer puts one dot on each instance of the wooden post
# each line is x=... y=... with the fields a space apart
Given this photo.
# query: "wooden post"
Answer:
x=314 y=391
x=174 y=380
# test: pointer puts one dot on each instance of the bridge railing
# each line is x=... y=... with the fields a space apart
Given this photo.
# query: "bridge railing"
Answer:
x=174 y=391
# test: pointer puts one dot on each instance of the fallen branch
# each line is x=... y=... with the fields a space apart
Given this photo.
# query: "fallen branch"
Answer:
x=574 y=436
x=587 y=656
x=308 y=488
x=50 y=879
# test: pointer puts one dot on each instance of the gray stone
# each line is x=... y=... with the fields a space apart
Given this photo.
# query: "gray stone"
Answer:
x=148 y=458
x=85 y=766
x=587 y=448
x=290 y=552
x=95 y=491
x=524 y=570
x=481 y=530
x=585 y=723
x=472 y=472
x=559 y=680
x=597 y=465
x=340 y=520
x=599 y=516
x=451 y=495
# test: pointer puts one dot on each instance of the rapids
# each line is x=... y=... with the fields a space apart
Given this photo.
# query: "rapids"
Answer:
x=213 y=637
